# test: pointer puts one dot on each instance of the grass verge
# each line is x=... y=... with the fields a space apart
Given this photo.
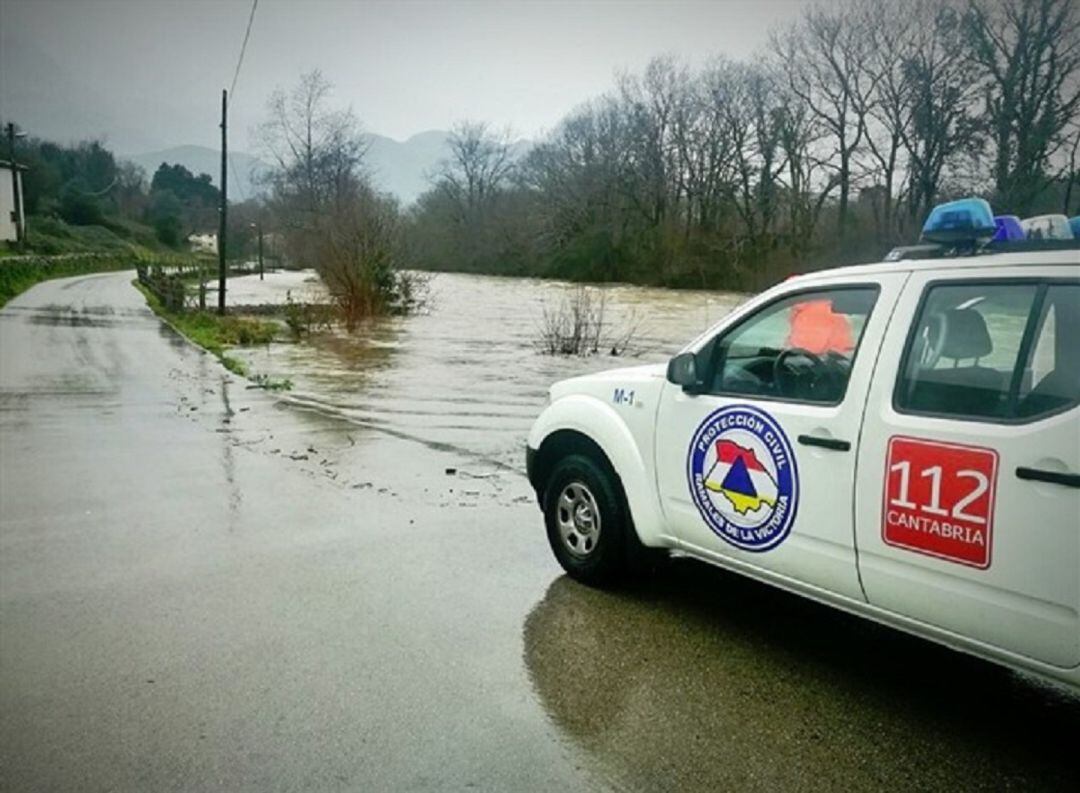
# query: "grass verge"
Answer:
x=214 y=333
x=19 y=274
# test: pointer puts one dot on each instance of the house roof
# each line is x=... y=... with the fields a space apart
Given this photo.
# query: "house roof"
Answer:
x=18 y=166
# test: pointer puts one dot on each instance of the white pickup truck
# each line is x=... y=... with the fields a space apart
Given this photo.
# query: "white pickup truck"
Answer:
x=900 y=440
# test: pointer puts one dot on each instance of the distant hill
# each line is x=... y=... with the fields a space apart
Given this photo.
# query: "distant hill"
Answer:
x=401 y=168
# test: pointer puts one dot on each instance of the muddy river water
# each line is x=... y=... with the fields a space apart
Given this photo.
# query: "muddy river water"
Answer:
x=467 y=370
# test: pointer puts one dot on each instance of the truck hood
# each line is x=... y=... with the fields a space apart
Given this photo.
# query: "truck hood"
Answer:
x=630 y=376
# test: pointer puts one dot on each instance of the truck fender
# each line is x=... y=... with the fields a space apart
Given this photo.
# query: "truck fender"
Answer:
x=599 y=423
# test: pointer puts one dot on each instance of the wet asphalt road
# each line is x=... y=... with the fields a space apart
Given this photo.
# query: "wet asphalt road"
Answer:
x=204 y=587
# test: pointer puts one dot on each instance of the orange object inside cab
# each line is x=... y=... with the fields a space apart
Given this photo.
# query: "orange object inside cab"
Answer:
x=816 y=328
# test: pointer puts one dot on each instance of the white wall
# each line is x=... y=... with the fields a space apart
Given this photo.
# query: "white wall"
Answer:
x=7 y=203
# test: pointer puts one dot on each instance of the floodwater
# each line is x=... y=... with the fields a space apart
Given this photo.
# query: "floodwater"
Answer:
x=467 y=371
x=203 y=587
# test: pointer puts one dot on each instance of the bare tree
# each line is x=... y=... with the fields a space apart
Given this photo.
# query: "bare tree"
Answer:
x=317 y=151
x=479 y=165
x=889 y=29
x=1073 y=169
x=130 y=189
x=806 y=187
x=705 y=152
x=649 y=103
x=752 y=116
x=583 y=172
x=823 y=59
x=862 y=108
x=323 y=204
x=1030 y=54
x=938 y=123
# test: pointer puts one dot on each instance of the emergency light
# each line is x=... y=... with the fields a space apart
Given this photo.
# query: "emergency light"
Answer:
x=968 y=220
x=1047 y=227
x=1008 y=228
x=969 y=226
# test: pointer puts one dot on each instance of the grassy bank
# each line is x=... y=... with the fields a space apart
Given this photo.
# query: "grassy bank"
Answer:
x=49 y=236
x=214 y=333
x=17 y=274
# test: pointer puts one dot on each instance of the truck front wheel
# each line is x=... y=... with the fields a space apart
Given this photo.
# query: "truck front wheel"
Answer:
x=588 y=525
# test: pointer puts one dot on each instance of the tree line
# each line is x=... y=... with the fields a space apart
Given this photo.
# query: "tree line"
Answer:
x=86 y=186
x=828 y=147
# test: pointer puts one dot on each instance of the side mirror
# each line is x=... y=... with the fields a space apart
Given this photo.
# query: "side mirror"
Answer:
x=683 y=370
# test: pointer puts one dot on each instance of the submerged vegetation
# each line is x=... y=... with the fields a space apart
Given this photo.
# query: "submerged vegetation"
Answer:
x=579 y=325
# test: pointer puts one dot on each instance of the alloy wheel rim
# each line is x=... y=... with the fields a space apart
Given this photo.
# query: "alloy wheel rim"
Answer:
x=578 y=519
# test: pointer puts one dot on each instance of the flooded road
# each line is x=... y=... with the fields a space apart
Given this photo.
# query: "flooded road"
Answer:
x=203 y=586
x=466 y=371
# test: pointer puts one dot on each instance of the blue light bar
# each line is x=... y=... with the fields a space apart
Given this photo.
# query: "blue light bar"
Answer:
x=968 y=220
x=1008 y=228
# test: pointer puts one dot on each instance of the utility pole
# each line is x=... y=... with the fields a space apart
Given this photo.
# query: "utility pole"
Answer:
x=260 y=251
x=224 y=203
x=16 y=214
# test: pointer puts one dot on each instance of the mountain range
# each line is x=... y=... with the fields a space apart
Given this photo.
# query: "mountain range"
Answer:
x=402 y=168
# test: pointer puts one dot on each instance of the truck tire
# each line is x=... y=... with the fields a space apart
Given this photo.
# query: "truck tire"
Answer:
x=588 y=524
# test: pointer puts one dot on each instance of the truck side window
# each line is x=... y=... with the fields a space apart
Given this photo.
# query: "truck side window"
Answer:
x=975 y=352
x=798 y=348
x=1050 y=381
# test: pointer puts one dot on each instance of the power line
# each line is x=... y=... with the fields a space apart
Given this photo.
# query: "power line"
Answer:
x=243 y=49
x=236 y=179
x=236 y=75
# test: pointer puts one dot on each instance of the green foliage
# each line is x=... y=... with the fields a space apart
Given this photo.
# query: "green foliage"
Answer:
x=181 y=202
x=51 y=236
x=234 y=365
x=212 y=332
x=133 y=232
x=168 y=230
x=270 y=384
x=188 y=188
x=70 y=179
x=83 y=185
x=79 y=199
x=302 y=317
x=78 y=207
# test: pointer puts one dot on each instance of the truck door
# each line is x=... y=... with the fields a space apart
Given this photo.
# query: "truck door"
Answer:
x=756 y=467
x=967 y=507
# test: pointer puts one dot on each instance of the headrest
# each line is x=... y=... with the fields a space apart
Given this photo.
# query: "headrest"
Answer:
x=966 y=335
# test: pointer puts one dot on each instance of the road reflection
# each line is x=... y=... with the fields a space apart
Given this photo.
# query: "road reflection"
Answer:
x=706 y=680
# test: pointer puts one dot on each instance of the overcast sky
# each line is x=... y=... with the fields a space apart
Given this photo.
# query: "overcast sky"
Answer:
x=148 y=74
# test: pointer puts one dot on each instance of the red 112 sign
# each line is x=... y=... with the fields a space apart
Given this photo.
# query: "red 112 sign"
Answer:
x=939 y=499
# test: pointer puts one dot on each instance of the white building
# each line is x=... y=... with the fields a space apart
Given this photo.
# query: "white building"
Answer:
x=11 y=217
x=203 y=243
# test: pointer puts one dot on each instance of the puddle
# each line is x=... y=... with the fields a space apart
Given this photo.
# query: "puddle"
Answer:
x=707 y=681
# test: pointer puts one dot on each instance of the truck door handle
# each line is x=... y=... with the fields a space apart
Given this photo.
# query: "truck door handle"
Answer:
x=1053 y=477
x=825 y=443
